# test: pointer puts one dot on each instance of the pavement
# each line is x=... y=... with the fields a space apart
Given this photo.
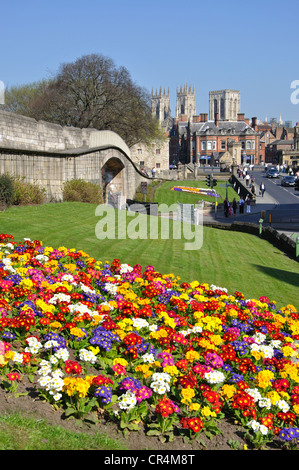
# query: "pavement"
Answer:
x=264 y=206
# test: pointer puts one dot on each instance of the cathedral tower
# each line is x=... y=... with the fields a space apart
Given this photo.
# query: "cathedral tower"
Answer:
x=161 y=105
x=185 y=102
x=226 y=103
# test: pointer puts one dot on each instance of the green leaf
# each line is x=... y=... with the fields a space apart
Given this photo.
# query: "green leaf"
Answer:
x=153 y=432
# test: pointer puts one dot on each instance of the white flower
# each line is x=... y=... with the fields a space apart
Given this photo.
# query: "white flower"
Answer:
x=86 y=288
x=18 y=358
x=283 y=405
x=140 y=323
x=53 y=360
x=160 y=387
x=259 y=337
x=62 y=353
x=255 y=425
x=127 y=401
x=153 y=327
x=60 y=298
x=161 y=377
x=87 y=356
x=111 y=288
x=264 y=430
x=42 y=258
x=44 y=381
x=50 y=344
x=268 y=351
x=150 y=358
x=254 y=393
x=214 y=377
x=125 y=268
x=265 y=403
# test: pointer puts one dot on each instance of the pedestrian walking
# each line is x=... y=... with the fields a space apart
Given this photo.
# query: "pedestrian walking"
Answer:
x=226 y=207
x=262 y=189
x=248 y=203
x=241 y=205
x=234 y=206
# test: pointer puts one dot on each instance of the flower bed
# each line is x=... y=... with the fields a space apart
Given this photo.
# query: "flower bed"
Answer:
x=144 y=350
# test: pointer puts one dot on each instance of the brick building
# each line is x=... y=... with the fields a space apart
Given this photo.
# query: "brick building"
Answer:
x=203 y=140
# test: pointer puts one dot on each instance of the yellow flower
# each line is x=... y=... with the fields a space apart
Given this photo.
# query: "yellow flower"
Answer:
x=145 y=369
x=172 y=370
x=77 y=332
x=194 y=407
x=206 y=412
x=188 y=393
x=121 y=361
x=273 y=396
x=228 y=391
x=296 y=408
x=288 y=351
x=191 y=355
x=264 y=378
x=26 y=283
x=95 y=350
x=55 y=324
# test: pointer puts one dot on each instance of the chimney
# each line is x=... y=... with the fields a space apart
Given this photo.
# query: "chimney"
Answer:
x=203 y=117
x=254 y=123
x=196 y=119
x=241 y=116
x=217 y=119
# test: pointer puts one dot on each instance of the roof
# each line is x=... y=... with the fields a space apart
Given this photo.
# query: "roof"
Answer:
x=209 y=127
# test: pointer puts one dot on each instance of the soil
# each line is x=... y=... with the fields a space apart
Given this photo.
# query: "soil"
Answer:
x=31 y=405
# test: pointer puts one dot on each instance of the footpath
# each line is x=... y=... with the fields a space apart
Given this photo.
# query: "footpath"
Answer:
x=264 y=207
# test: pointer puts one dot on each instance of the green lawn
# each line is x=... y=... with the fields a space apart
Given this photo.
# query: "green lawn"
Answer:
x=164 y=194
x=23 y=433
x=237 y=261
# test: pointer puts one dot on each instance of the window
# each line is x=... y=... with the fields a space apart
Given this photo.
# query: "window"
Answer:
x=158 y=151
x=214 y=144
x=203 y=145
x=253 y=144
x=209 y=145
x=223 y=145
x=139 y=151
x=243 y=144
x=248 y=145
x=158 y=165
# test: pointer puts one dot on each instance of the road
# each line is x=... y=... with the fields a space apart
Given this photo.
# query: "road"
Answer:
x=285 y=198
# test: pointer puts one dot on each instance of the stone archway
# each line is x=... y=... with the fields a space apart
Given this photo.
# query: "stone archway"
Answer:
x=114 y=182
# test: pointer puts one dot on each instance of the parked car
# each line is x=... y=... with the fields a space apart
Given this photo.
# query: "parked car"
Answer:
x=297 y=184
x=288 y=181
x=272 y=173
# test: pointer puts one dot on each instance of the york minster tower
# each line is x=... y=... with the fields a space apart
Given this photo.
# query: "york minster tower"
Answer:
x=226 y=103
x=185 y=102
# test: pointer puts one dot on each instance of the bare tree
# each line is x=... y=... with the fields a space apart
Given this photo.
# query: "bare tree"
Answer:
x=90 y=92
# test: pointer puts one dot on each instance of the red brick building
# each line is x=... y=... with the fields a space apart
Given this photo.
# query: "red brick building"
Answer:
x=206 y=141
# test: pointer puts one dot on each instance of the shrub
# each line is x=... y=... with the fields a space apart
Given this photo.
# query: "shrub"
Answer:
x=6 y=191
x=82 y=191
x=27 y=193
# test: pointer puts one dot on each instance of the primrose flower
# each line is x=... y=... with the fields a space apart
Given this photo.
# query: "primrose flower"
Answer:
x=127 y=401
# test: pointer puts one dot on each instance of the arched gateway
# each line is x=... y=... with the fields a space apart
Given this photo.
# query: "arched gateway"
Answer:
x=50 y=155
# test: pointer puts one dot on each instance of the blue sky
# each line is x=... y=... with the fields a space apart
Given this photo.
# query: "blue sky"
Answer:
x=248 y=46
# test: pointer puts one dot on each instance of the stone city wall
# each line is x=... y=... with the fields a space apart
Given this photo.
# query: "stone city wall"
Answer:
x=49 y=154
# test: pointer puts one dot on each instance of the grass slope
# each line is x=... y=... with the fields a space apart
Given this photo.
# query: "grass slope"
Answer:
x=237 y=261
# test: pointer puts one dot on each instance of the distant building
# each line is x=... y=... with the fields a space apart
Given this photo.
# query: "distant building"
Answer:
x=206 y=141
x=226 y=134
x=226 y=103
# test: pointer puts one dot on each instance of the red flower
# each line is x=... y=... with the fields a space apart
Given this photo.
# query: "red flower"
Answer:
x=13 y=376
